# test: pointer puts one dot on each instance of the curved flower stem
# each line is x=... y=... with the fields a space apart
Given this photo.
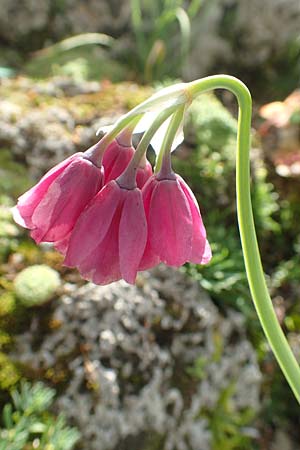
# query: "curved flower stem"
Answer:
x=95 y=153
x=148 y=135
x=127 y=177
x=127 y=121
x=171 y=96
x=174 y=124
x=254 y=269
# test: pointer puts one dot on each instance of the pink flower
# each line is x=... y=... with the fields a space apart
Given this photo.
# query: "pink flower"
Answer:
x=176 y=233
x=51 y=207
x=109 y=238
x=115 y=159
x=144 y=172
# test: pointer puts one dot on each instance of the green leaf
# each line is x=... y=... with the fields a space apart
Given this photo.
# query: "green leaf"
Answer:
x=7 y=416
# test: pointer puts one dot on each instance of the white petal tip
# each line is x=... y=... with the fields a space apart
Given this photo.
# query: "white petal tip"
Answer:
x=17 y=217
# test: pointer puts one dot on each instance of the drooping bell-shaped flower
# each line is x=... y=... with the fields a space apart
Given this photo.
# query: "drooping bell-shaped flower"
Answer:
x=176 y=233
x=51 y=207
x=118 y=155
x=109 y=238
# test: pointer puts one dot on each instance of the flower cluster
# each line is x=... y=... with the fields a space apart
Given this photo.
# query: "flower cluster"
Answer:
x=111 y=219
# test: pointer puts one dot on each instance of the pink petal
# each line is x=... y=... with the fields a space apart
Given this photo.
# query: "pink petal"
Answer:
x=56 y=214
x=110 y=155
x=102 y=264
x=132 y=235
x=30 y=200
x=170 y=223
x=206 y=257
x=149 y=259
x=62 y=246
x=93 y=224
x=199 y=242
x=143 y=175
x=115 y=160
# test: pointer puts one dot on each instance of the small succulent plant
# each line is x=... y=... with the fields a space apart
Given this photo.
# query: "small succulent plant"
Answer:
x=36 y=285
x=28 y=423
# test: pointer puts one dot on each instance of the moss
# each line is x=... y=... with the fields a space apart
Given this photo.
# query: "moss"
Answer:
x=9 y=374
x=5 y=340
x=13 y=176
x=150 y=440
x=8 y=230
x=77 y=63
x=36 y=285
x=228 y=423
x=7 y=304
x=30 y=252
x=108 y=100
x=53 y=259
x=10 y=316
x=154 y=441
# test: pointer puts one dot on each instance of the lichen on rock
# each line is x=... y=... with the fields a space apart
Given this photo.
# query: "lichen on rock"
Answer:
x=43 y=122
x=128 y=351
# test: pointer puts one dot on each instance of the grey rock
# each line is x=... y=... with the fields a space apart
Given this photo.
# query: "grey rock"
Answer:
x=128 y=350
x=45 y=135
x=282 y=441
x=257 y=33
x=19 y=20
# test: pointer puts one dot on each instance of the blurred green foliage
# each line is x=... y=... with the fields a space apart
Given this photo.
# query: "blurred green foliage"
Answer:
x=81 y=57
x=8 y=229
x=163 y=36
x=156 y=44
x=27 y=424
x=208 y=165
x=161 y=28
x=210 y=170
x=13 y=177
x=7 y=304
x=285 y=73
x=77 y=63
x=9 y=373
x=229 y=427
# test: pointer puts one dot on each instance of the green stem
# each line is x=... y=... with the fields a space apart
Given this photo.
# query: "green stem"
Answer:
x=95 y=154
x=171 y=96
x=254 y=269
x=127 y=178
x=126 y=121
x=173 y=127
x=148 y=135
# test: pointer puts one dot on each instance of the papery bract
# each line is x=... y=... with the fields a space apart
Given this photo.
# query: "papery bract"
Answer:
x=176 y=233
x=157 y=139
x=51 y=207
x=109 y=239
